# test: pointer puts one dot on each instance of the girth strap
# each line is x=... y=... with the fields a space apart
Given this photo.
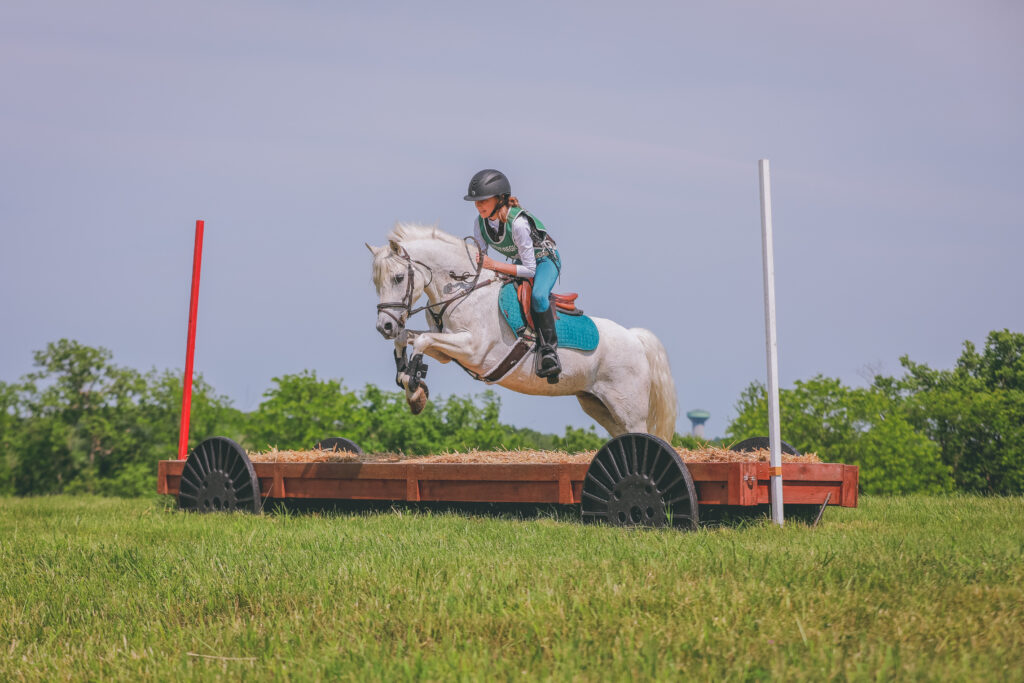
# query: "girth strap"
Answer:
x=522 y=347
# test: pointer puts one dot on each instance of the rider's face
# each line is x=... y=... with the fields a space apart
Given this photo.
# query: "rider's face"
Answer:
x=486 y=206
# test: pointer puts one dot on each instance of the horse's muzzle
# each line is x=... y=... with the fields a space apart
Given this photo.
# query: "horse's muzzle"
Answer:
x=388 y=329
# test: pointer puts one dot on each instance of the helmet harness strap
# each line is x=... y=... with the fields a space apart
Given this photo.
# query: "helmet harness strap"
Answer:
x=501 y=204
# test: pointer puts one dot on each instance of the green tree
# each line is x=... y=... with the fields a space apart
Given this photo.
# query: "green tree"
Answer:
x=579 y=440
x=10 y=424
x=156 y=427
x=527 y=438
x=301 y=409
x=159 y=419
x=80 y=423
x=451 y=424
x=815 y=415
x=974 y=412
x=865 y=427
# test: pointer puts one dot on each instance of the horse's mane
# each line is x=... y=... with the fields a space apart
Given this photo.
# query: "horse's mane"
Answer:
x=408 y=232
x=385 y=263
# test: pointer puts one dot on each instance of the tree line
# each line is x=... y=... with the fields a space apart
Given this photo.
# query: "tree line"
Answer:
x=79 y=423
x=927 y=430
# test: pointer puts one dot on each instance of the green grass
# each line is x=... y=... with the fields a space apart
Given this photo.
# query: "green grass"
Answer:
x=908 y=588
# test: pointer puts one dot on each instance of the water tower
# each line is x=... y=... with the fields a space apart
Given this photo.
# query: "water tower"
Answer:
x=698 y=418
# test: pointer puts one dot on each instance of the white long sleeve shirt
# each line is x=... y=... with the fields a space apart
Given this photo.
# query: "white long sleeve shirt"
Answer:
x=523 y=242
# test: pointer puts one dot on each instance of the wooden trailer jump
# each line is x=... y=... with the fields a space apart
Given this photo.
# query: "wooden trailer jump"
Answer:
x=633 y=480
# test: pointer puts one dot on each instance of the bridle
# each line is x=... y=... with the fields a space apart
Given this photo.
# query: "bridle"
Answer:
x=406 y=303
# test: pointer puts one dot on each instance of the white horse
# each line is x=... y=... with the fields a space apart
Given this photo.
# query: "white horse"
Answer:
x=625 y=384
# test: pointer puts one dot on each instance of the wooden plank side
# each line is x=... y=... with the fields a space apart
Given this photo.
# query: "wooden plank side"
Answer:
x=810 y=492
x=716 y=483
x=712 y=480
x=748 y=484
x=173 y=485
x=564 y=485
x=804 y=483
x=712 y=492
x=330 y=470
x=851 y=482
x=711 y=471
x=577 y=492
x=487 y=472
x=161 y=478
x=412 y=489
x=736 y=485
x=341 y=489
x=479 y=491
x=168 y=476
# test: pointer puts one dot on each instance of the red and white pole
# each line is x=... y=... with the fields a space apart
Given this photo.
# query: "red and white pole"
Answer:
x=190 y=346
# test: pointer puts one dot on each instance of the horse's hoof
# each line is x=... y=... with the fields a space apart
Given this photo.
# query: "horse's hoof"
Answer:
x=418 y=399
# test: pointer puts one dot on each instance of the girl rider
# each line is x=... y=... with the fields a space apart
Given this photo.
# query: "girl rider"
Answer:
x=518 y=235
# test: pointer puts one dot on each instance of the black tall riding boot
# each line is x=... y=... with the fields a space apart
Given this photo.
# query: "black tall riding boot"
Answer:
x=548 y=338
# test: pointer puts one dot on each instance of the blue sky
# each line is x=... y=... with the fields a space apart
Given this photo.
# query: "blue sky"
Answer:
x=300 y=130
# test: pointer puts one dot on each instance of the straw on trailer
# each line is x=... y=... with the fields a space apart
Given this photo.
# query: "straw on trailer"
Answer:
x=708 y=454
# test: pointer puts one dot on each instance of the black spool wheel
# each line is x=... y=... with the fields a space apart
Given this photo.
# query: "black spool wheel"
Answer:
x=219 y=477
x=338 y=443
x=756 y=443
x=639 y=480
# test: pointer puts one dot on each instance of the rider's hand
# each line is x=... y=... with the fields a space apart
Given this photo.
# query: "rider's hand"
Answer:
x=506 y=268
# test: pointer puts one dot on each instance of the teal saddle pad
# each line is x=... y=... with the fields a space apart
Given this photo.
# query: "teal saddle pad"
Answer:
x=574 y=331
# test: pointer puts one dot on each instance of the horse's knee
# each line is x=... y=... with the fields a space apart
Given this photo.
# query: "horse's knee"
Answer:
x=422 y=343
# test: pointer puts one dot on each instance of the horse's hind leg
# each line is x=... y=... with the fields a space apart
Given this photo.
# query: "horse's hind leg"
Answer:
x=595 y=408
x=618 y=411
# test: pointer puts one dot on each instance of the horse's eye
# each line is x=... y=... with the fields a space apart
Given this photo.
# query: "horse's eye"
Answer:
x=399 y=278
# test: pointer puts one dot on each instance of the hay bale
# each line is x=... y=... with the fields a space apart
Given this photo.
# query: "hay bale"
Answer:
x=707 y=454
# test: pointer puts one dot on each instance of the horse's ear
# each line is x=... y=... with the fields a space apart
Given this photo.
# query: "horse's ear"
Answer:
x=373 y=250
x=395 y=246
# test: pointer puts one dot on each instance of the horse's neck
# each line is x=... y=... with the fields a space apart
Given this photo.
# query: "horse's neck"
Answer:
x=441 y=258
x=445 y=258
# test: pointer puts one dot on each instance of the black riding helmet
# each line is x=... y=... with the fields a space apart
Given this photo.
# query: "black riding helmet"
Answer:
x=486 y=184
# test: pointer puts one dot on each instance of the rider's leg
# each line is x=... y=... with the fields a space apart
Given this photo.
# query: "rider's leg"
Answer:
x=544 y=318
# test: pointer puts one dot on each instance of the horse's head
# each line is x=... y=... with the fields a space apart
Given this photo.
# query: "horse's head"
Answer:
x=417 y=258
x=399 y=285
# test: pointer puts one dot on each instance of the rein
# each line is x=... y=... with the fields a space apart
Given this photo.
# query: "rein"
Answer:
x=437 y=316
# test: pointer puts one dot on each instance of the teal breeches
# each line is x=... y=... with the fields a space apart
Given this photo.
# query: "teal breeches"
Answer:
x=544 y=281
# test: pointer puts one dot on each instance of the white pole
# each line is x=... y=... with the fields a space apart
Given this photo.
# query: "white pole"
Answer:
x=768 y=253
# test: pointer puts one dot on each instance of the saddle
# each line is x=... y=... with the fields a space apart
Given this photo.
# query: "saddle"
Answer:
x=562 y=303
x=575 y=330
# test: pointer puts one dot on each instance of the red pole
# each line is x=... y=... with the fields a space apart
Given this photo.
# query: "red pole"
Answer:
x=190 y=346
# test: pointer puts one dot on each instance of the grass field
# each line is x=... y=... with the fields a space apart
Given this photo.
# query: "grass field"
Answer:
x=907 y=588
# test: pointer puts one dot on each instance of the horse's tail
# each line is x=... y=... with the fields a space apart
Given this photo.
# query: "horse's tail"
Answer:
x=661 y=415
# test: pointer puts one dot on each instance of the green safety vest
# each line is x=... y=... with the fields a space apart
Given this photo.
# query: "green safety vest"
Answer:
x=542 y=243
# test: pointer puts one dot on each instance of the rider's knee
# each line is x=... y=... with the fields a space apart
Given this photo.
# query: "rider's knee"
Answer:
x=539 y=302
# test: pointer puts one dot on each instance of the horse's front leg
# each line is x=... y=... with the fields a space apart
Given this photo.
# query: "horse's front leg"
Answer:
x=409 y=376
x=446 y=346
x=442 y=346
